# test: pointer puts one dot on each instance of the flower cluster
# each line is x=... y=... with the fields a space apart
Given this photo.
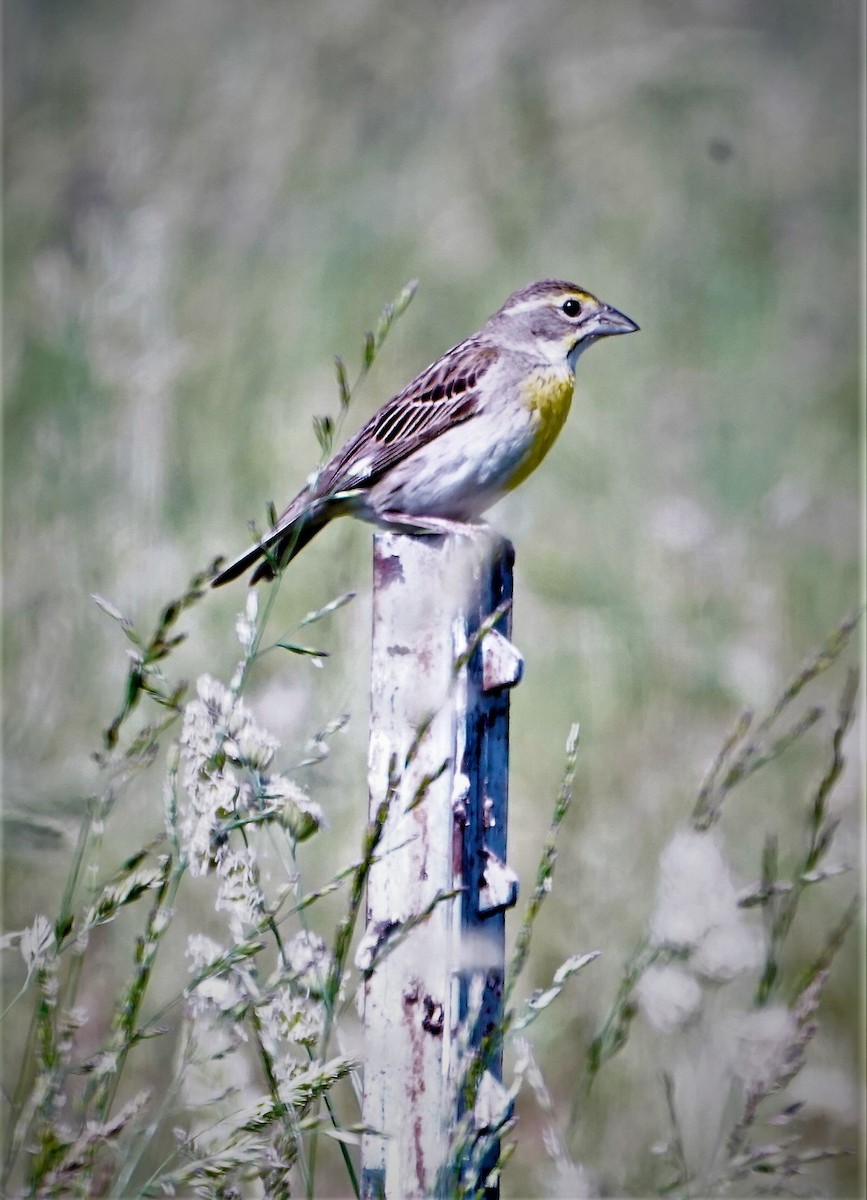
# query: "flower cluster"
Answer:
x=697 y=910
x=224 y=761
x=225 y=990
x=290 y=1010
x=222 y=988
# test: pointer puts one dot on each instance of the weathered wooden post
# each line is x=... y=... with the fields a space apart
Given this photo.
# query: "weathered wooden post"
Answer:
x=439 y=740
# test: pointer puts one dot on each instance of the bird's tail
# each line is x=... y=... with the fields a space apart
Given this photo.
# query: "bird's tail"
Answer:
x=280 y=545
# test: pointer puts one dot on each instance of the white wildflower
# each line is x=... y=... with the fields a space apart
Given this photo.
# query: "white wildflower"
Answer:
x=238 y=718
x=212 y=789
x=288 y=1017
x=218 y=994
x=220 y=720
x=230 y=749
x=200 y=731
x=245 y=622
x=760 y=1043
x=239 y=893
x=105 y=1063
x=697 y=908
x=728 y=950
x=216 y=697
x=202 y=951
x=668 y=996
x=215 y=995
x=37 y=942
x=212 y=798
x=279 y=788
x=254 y=747
x=298 y=814
x=197 y=834
x=695 y=890
x=308 y=958
x=216 y=717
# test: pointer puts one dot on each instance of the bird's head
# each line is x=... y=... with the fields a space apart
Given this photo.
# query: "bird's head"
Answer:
x=556 y=320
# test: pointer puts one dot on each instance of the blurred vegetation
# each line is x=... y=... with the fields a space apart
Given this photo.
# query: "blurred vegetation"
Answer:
x=205 y=202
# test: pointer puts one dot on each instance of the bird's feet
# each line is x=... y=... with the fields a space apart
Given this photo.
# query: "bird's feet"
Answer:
x=399 y=522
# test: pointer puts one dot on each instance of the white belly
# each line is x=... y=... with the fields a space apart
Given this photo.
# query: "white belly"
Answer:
x=460 y=474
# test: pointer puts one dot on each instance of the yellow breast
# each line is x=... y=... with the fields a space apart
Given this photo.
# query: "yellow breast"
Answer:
x=547 y=394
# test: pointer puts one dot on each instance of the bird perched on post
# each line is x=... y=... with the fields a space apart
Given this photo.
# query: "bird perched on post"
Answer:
x=468 y=429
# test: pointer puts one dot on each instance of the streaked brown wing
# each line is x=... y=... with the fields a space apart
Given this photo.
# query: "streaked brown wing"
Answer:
x=443 y=395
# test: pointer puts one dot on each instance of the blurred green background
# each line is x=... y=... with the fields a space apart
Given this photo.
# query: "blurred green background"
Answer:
x=205 y=201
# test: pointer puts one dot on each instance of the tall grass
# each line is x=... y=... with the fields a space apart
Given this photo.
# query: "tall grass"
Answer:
x=259 y=1065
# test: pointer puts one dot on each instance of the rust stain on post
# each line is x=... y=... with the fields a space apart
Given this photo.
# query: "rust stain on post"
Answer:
x=387 y=569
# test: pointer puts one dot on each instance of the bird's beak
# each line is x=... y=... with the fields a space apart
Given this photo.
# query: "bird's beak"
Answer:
x=608 y=320
x=604 y=321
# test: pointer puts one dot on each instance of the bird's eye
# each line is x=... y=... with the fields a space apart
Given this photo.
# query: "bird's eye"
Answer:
x=571 y=307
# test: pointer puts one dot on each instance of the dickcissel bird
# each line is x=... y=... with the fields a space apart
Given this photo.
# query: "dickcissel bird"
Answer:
x=468 y=429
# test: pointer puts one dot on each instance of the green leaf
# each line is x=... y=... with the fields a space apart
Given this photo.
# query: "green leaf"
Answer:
x=388 y=316
x=342 y=382
x=404 y=297
x=324 y=430
x=293 y=649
